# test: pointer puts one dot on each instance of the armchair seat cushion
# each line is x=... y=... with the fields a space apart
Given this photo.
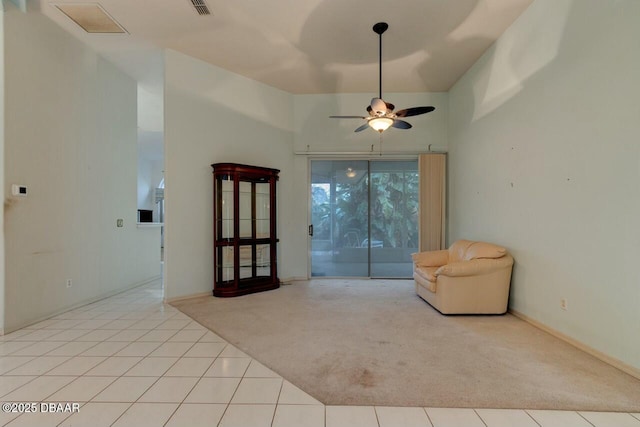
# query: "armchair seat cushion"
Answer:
x=470 y=278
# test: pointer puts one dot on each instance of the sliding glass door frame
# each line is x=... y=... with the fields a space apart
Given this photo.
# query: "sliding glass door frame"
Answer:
x=369 y=160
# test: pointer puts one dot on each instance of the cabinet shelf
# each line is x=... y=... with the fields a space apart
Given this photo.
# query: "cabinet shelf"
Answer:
x=245 y=242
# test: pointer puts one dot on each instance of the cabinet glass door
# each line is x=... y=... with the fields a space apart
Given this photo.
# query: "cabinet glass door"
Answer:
x=245 y=210
x=226 y=266
x=226 y=214
x=246 y=261
x=263 y=260
x=263 y=209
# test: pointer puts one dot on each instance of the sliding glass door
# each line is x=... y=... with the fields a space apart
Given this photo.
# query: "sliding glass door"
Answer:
x=394 y=217
x=364 y=218
x=339 y=218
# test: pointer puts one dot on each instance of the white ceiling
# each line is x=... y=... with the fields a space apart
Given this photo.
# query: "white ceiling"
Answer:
x=306 y=46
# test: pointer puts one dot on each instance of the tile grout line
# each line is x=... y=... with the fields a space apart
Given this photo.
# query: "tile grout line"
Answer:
x=428 y=417
x=481 y=420
x=71 y=414
x=233 y=394
x=531 y=416
x=273 y=417
x=20 y=386
x=584 y=418
x=186 y=395
x=375 y=412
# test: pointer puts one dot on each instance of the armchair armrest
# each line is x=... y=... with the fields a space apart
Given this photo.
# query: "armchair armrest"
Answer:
x=431 y=258
x=474 y=267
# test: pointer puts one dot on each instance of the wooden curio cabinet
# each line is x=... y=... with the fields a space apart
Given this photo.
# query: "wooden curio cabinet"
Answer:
x=245 y=242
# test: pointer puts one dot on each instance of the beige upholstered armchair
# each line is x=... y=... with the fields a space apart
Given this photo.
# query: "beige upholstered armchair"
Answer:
x=468 y=278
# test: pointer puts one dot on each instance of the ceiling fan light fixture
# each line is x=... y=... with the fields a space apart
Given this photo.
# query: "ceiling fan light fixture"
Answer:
x=380 y=123
x=350 y=173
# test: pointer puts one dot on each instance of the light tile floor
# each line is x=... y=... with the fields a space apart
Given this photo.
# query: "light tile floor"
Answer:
x=131 y=360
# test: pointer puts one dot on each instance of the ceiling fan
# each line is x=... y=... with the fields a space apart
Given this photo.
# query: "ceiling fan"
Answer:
x=381 y=115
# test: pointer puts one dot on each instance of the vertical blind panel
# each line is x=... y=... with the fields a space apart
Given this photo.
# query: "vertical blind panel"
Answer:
x=432 y=201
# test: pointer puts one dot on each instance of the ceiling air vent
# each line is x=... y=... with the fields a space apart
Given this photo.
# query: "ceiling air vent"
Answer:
x=201 y=7
x=91 y=17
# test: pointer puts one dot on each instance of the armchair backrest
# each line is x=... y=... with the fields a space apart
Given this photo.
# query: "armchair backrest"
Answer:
x=465 y=250
x=458 y=250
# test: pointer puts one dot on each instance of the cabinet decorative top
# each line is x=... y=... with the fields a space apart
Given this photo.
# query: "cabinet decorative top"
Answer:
x=240 y=168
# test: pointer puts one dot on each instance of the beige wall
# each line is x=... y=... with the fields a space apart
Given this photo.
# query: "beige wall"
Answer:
x=543 y=159
x=2 y=272
x=211 y=116
x=70 y=137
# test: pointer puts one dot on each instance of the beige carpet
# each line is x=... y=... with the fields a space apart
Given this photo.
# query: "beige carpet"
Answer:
x=374 y=342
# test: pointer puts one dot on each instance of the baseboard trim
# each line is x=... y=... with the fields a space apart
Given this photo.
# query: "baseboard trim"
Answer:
x=185 y=297
x=285 y=282
x=80 y=304
x=290 y=280
x=616 y=363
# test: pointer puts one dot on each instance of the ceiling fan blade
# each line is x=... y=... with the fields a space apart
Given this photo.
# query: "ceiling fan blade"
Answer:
x=415 y=111
x=370 y=110
x=363 y=127
x=390 y=107
x=401 y=124
x=347 y=117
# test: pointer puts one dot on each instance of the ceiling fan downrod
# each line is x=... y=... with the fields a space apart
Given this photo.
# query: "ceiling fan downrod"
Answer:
x=379 y=29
